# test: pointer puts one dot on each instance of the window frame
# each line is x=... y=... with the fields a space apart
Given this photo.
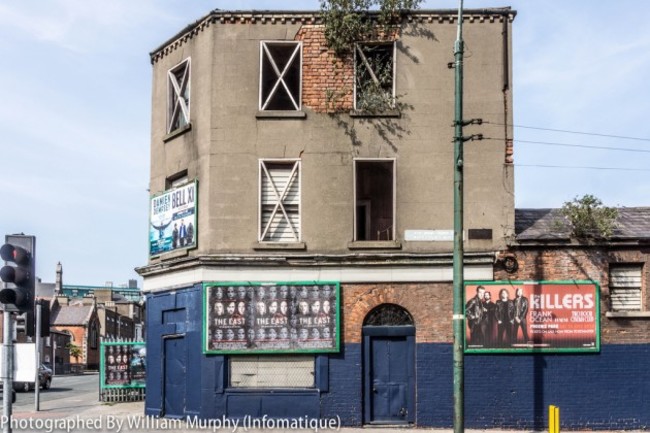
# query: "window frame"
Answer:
x=262 y=172
x=229 y=376
x=394 y=79
x=612 y=288
x=173 y=96
x=392 y=160
x=261 y=103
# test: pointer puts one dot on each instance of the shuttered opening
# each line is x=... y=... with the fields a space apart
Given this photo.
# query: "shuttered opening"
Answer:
x=625 y=287
x=291 y=371
x=280 y=201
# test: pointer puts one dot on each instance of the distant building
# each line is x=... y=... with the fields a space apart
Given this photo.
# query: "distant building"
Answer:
x=79 y=291
x=78 y=318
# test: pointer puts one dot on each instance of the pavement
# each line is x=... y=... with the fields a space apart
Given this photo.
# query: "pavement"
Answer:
x=129 y=418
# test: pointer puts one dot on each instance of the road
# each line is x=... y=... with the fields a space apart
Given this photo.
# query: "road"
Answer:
x=68 y=394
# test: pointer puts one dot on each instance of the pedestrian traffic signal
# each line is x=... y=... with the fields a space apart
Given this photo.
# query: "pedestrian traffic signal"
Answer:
x=18 y=252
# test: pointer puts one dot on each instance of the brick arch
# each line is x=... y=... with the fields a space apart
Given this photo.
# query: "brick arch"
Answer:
x=388 y=308
x=428 y=303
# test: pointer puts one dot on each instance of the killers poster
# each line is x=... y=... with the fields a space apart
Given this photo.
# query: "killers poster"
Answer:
x=123 y=364
x=545 y=316
x=282 y=318
x=172 y=220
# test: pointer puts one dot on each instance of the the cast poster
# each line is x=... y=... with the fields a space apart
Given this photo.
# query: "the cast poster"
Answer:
x=283 y=317
x=172 y=221
x=123 y=364
x=532 y=316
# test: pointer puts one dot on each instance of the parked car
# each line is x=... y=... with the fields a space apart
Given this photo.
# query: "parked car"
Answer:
x=44 y=380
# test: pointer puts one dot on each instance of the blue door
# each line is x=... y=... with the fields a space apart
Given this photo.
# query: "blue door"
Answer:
x=174 y=360
x=389 y=362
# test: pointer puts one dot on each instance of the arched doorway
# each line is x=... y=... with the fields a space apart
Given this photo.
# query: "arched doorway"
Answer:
x=389 y=365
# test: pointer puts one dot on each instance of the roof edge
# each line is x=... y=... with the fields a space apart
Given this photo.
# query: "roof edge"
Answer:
x=313 y=17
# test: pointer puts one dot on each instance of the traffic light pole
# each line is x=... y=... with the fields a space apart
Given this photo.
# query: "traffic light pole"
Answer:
x=37 y=338
x=7 y=368
x=458 y=315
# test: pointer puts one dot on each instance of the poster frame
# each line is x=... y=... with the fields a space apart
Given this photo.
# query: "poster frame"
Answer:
x=102 y=364
x=205 y=307
x=533 y=350
x=196 y=220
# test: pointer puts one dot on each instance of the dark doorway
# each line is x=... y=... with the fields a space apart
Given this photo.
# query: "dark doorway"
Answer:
x=389 y=366
x=175 y=367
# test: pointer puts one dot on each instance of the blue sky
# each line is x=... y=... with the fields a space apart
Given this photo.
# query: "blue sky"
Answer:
x=76 y=100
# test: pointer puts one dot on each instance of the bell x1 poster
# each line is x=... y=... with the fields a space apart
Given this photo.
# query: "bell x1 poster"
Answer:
x=172 y=219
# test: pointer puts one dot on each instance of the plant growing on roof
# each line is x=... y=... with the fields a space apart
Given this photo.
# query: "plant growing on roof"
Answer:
x=589 y=218
x=347 y=21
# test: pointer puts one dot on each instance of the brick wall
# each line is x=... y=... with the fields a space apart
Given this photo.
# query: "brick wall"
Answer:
x=327 y=80
x=429 y=304
x=588 y=263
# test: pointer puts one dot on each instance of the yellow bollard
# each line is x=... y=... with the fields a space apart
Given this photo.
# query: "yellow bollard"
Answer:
x=553 y=419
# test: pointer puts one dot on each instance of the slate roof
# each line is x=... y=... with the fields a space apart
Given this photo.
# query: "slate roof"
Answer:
x=72 y=314
x=633 y=223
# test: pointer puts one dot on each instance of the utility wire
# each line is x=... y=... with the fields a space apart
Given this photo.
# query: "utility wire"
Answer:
x=585 y=146
x=623 y=137
x=582 y=167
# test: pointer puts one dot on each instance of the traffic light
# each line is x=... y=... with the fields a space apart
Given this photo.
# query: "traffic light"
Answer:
x=18 y=252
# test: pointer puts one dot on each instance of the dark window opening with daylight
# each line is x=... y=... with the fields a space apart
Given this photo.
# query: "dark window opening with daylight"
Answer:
x=374 y=193
x=280 y=76
x=374 y=77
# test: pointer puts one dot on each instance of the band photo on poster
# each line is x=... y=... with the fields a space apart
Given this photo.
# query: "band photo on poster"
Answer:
x=283 y=318
x=172 y=219
x=547 y=316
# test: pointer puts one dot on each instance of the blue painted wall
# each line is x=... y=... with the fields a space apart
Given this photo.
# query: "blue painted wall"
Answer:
x=610 y=390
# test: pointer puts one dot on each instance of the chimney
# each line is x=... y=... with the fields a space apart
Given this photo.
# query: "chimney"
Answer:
x=58 y=287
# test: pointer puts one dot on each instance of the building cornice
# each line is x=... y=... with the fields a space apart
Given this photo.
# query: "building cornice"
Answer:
x=312 y=260
x=314 y=18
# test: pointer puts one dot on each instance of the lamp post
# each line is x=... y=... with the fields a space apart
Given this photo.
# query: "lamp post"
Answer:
x=458 y=314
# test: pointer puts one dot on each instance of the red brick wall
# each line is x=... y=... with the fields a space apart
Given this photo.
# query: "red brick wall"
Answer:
x=588 y=263
x=80 y=336
x=327 y=80
x=429 y=304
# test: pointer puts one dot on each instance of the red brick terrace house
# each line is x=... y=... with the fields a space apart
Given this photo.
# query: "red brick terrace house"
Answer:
x=544 y=250
x=80 y=319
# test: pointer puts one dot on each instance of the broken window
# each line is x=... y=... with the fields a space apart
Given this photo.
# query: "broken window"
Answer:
x=179 y=96
x=280 y=76
x=374 y=71
x=280 y=201
x=375 y=200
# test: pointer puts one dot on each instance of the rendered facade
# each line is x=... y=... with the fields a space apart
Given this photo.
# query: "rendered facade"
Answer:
x=301 y=181
x=276 y=179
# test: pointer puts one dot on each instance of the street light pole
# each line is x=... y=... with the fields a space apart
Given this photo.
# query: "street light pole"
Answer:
x=458 y=314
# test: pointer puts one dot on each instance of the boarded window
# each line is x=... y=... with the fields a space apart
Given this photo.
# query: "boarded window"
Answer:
x=375 y=198
x=280 y=201
x=272 y=371
x=625 y=287
x=179 y=96
x=280 y=75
